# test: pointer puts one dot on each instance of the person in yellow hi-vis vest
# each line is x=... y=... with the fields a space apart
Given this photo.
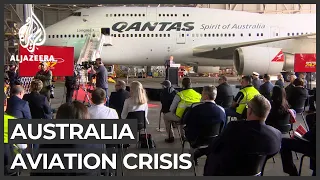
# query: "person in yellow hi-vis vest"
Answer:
x=246 y=93
x=16 y=148
x=181 y=101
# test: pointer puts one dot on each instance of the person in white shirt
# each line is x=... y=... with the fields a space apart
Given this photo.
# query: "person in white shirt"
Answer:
x=137 y=101
x=98 y=110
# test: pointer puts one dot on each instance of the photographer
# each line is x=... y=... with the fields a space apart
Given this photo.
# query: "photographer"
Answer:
x=13 y=75
x=101 y=75
x=45 y=75
x=71 y=85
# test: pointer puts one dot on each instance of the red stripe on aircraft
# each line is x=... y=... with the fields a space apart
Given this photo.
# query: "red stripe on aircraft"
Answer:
x=279 y=57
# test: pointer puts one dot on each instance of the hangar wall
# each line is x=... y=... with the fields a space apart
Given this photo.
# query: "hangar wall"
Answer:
x=49 y=16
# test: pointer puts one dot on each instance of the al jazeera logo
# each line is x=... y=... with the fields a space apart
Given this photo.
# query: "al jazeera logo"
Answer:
x=310 y=64
x=31 y=35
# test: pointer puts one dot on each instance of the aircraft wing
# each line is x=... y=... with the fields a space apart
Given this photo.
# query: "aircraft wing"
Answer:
x=225 y=51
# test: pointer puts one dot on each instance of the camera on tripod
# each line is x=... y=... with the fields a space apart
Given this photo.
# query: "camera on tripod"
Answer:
x=87 y=64
x=51 y=87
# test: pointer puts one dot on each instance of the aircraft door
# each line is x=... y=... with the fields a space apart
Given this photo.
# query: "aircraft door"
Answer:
x=181 y=37
x=96 y=32
x=275 y=33
x=105 y=31
x=152 y=14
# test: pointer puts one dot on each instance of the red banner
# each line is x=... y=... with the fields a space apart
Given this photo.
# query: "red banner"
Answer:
x=305 y=63
x=59 y=59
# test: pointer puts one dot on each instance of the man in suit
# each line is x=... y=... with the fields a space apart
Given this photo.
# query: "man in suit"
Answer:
x=241 y=138
x=266 y=88
x=38 y=103
x=117 y=98
x=16 y=106
x=203 y=114
x=224 y=93
x=167 y=95
x=167 y=64
x=290 y=87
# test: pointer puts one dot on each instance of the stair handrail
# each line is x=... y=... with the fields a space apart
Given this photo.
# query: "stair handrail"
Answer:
x=85 y=46
x=101 y=42
x=98 y=47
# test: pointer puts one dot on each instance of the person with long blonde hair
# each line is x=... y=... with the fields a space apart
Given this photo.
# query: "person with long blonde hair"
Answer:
x=137 y=101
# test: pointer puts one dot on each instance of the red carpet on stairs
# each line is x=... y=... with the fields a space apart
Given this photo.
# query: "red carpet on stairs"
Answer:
x=81 y=97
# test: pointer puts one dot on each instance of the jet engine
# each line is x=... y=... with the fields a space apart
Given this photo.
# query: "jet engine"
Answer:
x=258 y=59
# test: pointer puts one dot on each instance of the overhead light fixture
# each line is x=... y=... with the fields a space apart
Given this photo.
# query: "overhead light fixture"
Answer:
x=48 y=4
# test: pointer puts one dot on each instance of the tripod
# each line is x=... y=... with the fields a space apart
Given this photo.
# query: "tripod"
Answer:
x=83 y=87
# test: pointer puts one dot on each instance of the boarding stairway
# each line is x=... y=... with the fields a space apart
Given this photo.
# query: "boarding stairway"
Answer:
x=92 y=49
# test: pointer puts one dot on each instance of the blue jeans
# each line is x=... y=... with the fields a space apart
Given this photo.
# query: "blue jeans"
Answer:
x=107 y=102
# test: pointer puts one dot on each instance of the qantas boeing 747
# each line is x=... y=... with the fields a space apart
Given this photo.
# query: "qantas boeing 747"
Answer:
x=264 y=43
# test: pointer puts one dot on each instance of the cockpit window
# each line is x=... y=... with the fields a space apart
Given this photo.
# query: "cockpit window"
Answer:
x=76 y=14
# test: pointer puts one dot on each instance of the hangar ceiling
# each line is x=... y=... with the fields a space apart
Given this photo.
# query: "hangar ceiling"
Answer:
x=257 y=8
x=74 y=7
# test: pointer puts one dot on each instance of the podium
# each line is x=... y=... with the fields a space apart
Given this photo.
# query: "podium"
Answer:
x=173 y=74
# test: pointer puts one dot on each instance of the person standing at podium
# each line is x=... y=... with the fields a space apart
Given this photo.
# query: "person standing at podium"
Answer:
x=167 y=64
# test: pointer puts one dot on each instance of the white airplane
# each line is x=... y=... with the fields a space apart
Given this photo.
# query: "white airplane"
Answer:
x=146 y=36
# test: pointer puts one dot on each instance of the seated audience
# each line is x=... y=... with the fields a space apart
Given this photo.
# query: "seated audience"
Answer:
x=181 y=101
x=203 y=114
x=98 y=110
x=117 y=98
x=279 y=108
x=312 y=101
x=9 y=149
x=224 y=93
x=256 y=82
x=290 y=86
x=305 y=145
x=16 y=106
x=298 y=94
x=167 y=95
x=137 y=101
x=241 y=138
x=280 y=81
x=302 y=76
x=38 y=103
x=75 y=110
x=266 y=87
x=242 y=98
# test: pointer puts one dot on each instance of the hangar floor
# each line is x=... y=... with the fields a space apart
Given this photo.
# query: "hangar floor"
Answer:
x=271 y=169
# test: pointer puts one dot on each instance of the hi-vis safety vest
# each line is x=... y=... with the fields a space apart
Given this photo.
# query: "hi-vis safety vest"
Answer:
x=249 y=93
x=187 y=98
x=6 y=118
